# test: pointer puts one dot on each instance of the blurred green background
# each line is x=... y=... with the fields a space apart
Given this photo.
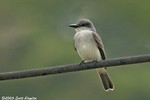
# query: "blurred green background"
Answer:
x=35 y=34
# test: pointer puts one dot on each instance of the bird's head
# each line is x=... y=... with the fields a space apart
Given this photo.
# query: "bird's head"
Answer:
x=83 y=24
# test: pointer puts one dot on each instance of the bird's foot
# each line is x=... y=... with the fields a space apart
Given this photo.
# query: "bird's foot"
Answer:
x=94 y=61
x=82 y=62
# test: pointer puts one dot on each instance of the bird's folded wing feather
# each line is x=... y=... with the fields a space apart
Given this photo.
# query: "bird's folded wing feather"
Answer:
x=100 y=46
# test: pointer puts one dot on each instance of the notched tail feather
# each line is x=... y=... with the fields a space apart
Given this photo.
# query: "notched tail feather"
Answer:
x=107 y=83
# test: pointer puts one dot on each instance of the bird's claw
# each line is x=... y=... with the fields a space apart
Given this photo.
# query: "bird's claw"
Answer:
x=94 y=61
x=82 y=62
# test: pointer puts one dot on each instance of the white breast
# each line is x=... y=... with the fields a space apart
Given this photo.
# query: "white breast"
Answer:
x=86 y=46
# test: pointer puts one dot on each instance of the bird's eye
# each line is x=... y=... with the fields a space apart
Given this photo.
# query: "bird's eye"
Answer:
x=84 y=24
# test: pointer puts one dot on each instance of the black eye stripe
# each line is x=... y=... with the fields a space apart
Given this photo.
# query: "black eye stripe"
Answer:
x=84 y=24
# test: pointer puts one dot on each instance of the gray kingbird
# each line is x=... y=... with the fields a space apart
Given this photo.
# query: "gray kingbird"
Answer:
x=89 y=46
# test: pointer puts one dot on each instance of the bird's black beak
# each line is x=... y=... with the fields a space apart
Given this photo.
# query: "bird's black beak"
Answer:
x=74 y=25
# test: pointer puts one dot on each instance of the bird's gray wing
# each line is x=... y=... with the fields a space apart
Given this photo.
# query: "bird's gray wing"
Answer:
x=74 y=45
x=100 y=46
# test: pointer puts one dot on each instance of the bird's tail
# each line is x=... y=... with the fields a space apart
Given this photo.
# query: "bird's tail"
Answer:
x=107 y=83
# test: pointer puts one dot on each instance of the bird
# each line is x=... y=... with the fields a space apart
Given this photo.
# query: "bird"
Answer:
x=89 y=46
